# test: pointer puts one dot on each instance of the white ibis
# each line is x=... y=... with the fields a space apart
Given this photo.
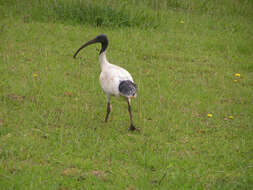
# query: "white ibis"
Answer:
x=114 y=80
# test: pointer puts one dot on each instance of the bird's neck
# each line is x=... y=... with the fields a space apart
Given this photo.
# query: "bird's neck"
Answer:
x=102 y=60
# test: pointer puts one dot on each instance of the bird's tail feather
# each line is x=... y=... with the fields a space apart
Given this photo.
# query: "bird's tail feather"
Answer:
x=128 y=88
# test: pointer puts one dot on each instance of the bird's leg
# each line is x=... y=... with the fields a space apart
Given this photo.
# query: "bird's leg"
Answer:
x=132 y=127
x=108 y=111
x=108 y=108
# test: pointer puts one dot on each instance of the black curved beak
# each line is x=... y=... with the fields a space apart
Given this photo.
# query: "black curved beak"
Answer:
x=86 y=44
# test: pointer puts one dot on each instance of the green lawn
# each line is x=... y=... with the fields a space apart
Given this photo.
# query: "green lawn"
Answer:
x=183 y=57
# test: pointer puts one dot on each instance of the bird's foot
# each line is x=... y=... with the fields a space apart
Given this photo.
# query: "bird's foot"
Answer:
x=133 y=128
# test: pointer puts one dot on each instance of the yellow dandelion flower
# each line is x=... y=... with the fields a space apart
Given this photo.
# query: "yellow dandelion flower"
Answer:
x=230 y=117
x=182 y=22
x=235 y=80
x=210 y=115
x=237 y=74
x=35 y=75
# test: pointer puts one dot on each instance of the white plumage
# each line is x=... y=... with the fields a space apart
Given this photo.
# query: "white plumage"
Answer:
x=114 y=80
x=111 y=76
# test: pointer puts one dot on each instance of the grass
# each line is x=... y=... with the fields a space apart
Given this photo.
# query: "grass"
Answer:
x=52 y=134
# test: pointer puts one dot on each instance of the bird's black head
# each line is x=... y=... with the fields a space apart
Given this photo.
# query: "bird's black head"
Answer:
x=102 y=38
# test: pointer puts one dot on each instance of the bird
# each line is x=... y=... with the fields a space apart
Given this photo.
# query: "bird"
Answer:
x=114 y=80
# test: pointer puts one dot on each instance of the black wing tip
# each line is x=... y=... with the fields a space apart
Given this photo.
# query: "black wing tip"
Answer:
x=128 y=88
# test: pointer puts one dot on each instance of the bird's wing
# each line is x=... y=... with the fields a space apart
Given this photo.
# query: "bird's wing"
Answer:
x=120 y=73
x=111 y=77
